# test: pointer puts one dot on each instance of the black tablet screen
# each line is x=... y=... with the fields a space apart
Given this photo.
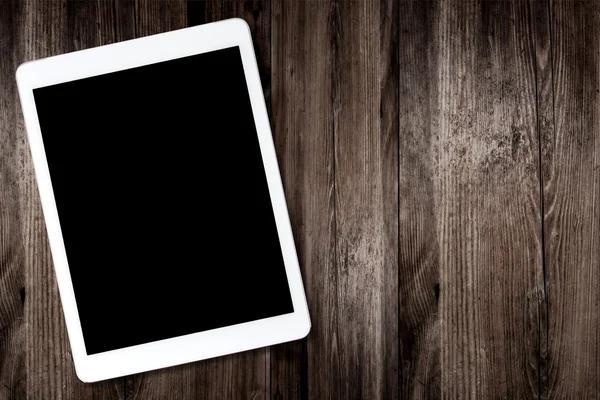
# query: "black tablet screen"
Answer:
x=162 y=200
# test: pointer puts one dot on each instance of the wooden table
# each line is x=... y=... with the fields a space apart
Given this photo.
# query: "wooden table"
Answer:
x=441 y=162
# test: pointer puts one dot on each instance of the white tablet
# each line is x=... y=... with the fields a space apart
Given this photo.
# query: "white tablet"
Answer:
x=163 y=200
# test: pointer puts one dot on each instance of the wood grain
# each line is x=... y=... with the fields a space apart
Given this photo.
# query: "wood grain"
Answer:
x=389 y=83
x=441 y=162
x=12 y=280
x=470 y=217
x=362 y=260
x=303 y=134
x=569 y=61
x=420 y=257
x=45 y=29
x=338 y=151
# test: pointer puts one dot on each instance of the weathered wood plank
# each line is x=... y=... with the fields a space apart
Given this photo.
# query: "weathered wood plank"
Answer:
x=50 y=371
x=335 y=120
x=569 y=77
x=471 y=220
x=45 y=29
x=362 y=268
x=419 y=267
x=303 y=134
x=13 y=374
x=389 y=68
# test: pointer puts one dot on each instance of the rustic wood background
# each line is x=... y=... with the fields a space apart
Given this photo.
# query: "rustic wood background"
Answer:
x=441 y=161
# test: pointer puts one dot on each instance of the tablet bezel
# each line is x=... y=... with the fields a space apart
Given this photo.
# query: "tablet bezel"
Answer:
x=131 y=54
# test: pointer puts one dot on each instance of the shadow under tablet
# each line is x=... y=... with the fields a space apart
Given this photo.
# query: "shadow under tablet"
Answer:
x=163 y=200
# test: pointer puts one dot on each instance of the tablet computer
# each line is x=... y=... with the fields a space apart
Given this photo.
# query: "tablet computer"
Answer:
x=163 y=200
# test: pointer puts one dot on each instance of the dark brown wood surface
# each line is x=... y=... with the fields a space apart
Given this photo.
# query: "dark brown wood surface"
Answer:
x=471 y=267
x=569 y=53
x=441 y=162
